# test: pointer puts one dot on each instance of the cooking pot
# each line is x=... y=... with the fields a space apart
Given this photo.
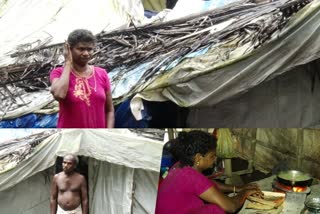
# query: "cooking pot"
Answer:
x=294 y=178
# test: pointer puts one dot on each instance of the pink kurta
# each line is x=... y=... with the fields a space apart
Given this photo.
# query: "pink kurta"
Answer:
x=84 y=105
x=180 y=190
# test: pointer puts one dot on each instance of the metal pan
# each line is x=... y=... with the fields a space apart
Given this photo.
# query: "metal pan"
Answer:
x=294 y=178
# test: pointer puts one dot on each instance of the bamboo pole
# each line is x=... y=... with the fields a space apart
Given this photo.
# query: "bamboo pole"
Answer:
x=228 y=170
x=171 y=134
x=300 y=142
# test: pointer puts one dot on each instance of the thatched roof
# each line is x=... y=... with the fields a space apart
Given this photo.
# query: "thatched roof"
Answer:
x=14 y=151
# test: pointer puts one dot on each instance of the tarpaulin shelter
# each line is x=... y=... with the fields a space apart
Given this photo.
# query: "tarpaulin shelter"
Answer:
x=274 y=85
x=123 y=169
x=275 y=149
x=31 y=25
x=242 y=64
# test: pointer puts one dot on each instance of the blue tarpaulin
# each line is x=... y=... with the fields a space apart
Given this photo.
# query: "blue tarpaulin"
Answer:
x=125 y=119
x=32 y=121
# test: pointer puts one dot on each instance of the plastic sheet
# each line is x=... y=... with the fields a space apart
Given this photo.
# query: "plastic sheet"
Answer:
x=117 y=183
x=198 y=82
x=25 y=30
x=154 y=5
x=123 y=172
x=31 y=121
x=286 y=101
x=145 y=182
x=30 y=103
x=125 y=119
x=185 y=8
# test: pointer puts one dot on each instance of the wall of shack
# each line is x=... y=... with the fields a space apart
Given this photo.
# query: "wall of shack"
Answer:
x=271 y=149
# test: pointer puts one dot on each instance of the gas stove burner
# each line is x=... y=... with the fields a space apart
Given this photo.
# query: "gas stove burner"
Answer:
x=295 y=196
x=279 y=187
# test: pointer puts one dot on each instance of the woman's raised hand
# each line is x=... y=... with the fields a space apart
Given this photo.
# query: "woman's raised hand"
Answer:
x=67 y=53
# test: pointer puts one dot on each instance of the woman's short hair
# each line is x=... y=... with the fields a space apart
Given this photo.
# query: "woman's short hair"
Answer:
x=188 y=144
x=80 y=35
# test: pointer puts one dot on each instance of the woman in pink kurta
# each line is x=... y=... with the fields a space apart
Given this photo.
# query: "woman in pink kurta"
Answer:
x=186 y=190
x=84 y=104
x=180 y=190
x=83 y=90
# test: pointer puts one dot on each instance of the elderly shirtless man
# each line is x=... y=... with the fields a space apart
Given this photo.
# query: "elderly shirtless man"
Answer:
x=69 y=190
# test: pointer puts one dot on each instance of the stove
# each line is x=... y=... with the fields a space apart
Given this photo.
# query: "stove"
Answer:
x=279 y=187
x=295 y=196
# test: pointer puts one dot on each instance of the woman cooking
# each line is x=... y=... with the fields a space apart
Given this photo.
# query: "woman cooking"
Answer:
x=186 y=190
x=83 y=90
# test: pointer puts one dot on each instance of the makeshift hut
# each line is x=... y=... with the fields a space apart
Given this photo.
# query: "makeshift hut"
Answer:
x=271 y=149
x=260 y=155
x=242 y=64
x=31 y=25
x=274 y=150
x=121 y=166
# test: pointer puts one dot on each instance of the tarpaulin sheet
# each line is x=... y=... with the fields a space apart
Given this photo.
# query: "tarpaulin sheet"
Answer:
x=32 y=121
x=112 y=186
x=42 y=158
x=26 y=24
x=185 y=8
x=124 y=118
x=126 y=190
x=199 y=82
x=154 y=5
x=117 y=191
x=145 y=182
x=277 y=149
x=31 y=196
x=120 y=147
x=290 y=100
x=30 y=103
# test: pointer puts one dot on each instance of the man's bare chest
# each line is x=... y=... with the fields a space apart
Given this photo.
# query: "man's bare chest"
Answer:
x=68 y=184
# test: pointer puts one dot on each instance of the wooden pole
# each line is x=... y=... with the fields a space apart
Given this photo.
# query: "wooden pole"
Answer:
x=300 y=148
x=171 y=134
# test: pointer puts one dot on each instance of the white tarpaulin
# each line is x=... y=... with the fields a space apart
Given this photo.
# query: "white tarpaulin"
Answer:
x=145 y=182
x=30 y=103
x=185 y=8
x=118 y=146
x=26 y=24
x=126 y=190
x=116 y=196
x=31 y=196
x=290 y=100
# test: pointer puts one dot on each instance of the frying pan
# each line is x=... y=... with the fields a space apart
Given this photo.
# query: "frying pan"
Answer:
x=294 y=178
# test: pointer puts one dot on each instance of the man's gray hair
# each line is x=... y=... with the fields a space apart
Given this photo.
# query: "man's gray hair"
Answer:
x=74 y=158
